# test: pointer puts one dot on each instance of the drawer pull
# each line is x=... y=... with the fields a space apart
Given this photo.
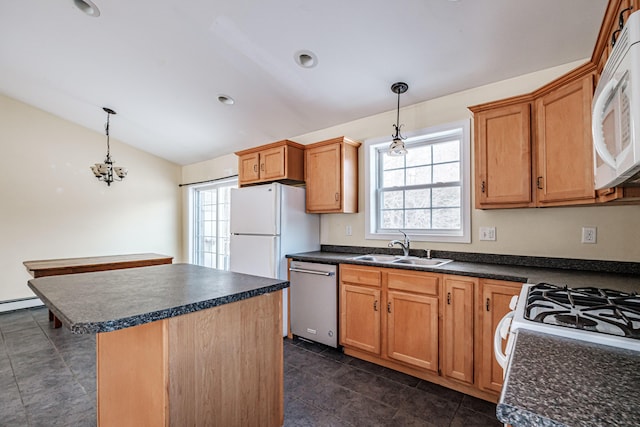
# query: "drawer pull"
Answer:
x=375 y=305
x=484 y=186
x=488 y=303
x=388 y=307
x=449 y=298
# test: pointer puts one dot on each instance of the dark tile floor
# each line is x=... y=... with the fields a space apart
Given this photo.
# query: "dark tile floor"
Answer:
x=47 y=378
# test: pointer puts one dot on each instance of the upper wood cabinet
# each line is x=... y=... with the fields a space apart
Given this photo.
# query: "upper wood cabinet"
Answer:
x=331 y=176
x=503 y=156
x=536 y=149
x=564 y=144
x=280 y=161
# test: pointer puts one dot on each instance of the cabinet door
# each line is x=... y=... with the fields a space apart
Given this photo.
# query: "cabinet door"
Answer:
x=272 y=163
x=412 y=329
x=249 y=168
x=503 y=157
x=323 y=169
x=360 y=318
x=564 y=144
x=458 y=328
x=493 y=305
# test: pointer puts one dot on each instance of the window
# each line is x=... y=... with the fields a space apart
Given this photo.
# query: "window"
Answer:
x=210 y=229
x=425 y=193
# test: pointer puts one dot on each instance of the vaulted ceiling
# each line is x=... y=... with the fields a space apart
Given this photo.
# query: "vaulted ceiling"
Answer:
x=162 y=64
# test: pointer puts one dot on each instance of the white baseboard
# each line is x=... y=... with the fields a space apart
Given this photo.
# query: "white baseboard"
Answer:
x=19 y=304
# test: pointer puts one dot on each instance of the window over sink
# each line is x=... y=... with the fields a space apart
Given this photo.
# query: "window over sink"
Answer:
x=425 y=193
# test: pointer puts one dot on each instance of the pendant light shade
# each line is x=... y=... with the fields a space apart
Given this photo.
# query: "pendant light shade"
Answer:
x=397 y=148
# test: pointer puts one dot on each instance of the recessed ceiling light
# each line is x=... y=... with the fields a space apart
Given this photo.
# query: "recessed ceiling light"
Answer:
x=306 y=59
x=88 y=7
x=226 y=100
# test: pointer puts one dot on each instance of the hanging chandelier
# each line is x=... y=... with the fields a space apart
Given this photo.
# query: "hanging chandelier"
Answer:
x=106 y=171
x=396 y=148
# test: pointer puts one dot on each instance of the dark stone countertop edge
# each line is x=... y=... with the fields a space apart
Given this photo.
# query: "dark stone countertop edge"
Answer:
x=601 y=266
x=140 y=319
x=625 y=282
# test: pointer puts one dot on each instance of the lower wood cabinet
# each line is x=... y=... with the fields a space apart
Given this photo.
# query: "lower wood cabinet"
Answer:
x=457 y=336
x=437 y=327
x=493 y=304
x=360 y=318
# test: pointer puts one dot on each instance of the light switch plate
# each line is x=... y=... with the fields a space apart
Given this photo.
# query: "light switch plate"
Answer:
x=488 y=233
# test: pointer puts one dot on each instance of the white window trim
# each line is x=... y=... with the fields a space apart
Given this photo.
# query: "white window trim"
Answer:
x=191 y=211
x=465 y=158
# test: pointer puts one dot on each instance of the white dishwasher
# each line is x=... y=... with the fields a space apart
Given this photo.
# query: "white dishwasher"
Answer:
x=314 y=302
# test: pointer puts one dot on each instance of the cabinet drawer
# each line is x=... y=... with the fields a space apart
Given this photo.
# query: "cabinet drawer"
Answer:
x=423 y=283
x=361 y=275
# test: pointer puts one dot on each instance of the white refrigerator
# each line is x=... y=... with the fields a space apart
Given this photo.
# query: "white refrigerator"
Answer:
x=267 y=222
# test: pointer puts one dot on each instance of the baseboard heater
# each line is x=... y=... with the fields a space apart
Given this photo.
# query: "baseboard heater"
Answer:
x=18 y=304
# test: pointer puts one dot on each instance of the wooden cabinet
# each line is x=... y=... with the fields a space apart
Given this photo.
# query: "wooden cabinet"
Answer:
x=493 y=304
x=360 y=318
x=412 y=318
x=536 y=149
x=437 y=327
x=331 y=176
x=564 y=144
x=280 y=161
x=360 y=302
x=503 y=156
x=390 y=314
x=458 y=327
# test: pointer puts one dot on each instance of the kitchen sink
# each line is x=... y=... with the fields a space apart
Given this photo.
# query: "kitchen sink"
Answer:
x=375 y=258
x=430 y=262
x=395 y=259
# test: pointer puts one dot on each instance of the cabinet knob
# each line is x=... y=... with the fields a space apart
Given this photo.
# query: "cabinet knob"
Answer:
x=449 y=298
x=488 y=303
x=388 y=307
x=375 y=305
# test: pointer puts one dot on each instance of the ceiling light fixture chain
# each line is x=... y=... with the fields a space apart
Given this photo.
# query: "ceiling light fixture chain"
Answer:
x=397 y=148
x=106 y=171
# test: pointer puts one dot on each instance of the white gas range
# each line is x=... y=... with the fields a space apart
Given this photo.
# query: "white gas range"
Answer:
x=601 y=316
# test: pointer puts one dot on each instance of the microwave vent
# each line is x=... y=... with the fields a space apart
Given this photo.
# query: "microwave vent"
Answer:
x=618 y=52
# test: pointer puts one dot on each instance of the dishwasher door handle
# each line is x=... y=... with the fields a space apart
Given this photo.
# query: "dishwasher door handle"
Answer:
x=319 y=273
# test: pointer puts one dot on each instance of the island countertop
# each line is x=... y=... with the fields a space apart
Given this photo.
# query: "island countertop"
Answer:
x=554 y=381
x=111 y=300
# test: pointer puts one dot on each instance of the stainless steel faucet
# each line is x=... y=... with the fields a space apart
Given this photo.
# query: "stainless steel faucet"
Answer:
x=405 y=245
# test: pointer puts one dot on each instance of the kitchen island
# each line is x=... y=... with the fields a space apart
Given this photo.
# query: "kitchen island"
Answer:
x=553 y=381
x=178 y=344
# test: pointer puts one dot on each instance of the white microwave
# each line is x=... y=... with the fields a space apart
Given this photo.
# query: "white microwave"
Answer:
x=616 y=112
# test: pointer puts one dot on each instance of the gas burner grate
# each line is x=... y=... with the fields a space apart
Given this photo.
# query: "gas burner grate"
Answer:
x=588 y=308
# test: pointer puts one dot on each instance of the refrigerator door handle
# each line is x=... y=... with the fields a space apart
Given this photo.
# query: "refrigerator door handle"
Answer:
x=320 y=273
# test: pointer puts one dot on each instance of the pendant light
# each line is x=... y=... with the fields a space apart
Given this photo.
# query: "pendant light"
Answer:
x=396 y=148
x=106 y=171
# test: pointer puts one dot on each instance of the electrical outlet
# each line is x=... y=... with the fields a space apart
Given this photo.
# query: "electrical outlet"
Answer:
x=589 y=234
x=488 y=233
x=348 y=231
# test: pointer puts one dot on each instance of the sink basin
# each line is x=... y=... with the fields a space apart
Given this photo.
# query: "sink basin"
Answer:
x=430 y=262
x=394 y=259
x=375 y=258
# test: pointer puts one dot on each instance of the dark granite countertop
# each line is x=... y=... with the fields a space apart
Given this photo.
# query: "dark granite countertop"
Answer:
x=111 y=300
x=561 y=272
x=554 y=381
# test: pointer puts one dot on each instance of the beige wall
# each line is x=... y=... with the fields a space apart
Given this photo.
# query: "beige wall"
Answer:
x=552 y=232
x=53 y=207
